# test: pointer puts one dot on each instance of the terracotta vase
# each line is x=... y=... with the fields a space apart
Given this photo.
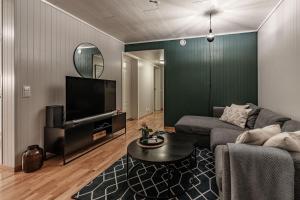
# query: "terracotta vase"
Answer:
x=32 y=159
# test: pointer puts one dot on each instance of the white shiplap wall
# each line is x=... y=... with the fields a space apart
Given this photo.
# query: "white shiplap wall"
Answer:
x=8 y=84
x=44 y=43
x=279 y=60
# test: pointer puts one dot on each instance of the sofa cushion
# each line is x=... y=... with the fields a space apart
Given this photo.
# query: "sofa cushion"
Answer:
x=235 y=115
x=267 y=117
x=287 y=141
x=258 y=136
x=201 y=125
x=222 y=136
x=291 y=126
x=252 y=115
x=218 y=111
x=240 y=106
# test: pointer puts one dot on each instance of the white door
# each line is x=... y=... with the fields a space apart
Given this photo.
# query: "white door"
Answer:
x=157 y=89
x=1 y=83
x=126 y=88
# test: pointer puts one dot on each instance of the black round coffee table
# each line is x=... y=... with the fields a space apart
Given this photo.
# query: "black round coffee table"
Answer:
x=177 y=149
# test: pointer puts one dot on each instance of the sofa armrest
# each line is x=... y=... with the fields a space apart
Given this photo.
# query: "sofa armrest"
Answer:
x=296 y=159
x=263 y=158
x=222 y=136
x=222 y=164
x=218 y=111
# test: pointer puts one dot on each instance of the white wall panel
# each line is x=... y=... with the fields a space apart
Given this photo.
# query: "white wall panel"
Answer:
x=279 y=60
x=45 y=40
x=8 y=84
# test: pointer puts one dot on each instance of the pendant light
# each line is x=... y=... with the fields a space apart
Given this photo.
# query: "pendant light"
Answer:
x=210 y=37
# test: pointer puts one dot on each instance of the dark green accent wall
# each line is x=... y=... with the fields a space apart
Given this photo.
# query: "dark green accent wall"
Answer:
x=233 y=64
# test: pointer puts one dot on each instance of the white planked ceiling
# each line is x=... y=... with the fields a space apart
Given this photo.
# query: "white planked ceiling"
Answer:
x=139 y=20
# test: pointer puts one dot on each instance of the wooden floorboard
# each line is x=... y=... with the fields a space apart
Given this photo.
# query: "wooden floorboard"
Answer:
x=55 y=181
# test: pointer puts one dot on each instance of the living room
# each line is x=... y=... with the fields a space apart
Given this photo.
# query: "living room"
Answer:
x=150 y=99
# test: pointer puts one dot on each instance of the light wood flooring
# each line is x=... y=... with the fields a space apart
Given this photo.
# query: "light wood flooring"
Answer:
x=55 y=181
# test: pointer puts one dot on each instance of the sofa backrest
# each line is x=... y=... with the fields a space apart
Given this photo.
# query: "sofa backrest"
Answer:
x=291 y=126
x=267 y=117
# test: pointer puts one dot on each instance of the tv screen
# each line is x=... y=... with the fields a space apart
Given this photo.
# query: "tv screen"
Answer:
x=89 y=97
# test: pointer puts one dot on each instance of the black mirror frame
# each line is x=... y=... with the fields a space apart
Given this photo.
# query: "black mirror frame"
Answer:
x=93 y=69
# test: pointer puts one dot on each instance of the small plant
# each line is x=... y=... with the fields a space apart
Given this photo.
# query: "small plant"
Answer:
x=145 y=131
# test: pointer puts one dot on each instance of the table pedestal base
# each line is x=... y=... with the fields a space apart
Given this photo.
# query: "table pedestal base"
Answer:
x=161 y=181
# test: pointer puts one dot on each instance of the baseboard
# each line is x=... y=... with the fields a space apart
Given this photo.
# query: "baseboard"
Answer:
x=7 y=168
x=146 y=115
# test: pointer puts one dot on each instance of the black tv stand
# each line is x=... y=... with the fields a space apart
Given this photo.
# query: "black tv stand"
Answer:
x=79 y=137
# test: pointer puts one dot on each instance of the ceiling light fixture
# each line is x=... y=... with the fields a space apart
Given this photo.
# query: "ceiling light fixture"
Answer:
x=154 y=1
x=210 y=37
x=154 y=7
x=182 y=42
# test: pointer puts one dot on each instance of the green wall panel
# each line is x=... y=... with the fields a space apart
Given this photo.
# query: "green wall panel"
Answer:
x=232 y=60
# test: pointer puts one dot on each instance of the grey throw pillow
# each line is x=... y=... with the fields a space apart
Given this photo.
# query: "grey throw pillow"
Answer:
x=267 y=117
x=252 y=115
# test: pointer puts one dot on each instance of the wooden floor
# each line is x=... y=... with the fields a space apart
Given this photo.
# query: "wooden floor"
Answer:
x=55 y=181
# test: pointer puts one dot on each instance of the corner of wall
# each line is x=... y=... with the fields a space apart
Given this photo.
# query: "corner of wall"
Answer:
x=8 y=80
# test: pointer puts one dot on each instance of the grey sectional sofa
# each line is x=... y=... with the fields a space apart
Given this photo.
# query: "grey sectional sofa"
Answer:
x=213 y=133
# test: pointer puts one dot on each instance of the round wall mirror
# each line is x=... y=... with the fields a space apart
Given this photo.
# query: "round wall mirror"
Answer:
x=88 y=61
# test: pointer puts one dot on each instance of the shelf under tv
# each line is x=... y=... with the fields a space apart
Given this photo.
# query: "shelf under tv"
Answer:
x=99 y=143
x=77 y=139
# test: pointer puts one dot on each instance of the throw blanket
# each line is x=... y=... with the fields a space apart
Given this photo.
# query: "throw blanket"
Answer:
x=260 y=173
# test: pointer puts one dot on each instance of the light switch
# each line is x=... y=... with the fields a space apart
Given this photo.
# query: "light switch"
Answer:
x=26 y=91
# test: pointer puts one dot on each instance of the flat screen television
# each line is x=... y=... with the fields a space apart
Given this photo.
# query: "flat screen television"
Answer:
x=89 y=97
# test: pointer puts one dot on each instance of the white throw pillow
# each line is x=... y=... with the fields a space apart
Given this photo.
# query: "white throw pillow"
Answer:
x=286 y=141
x=258 y=136
x=235 y=115
x=239 y=106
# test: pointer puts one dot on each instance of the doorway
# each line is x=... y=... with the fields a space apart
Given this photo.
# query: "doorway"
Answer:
x=126 y=87
x=142 y=83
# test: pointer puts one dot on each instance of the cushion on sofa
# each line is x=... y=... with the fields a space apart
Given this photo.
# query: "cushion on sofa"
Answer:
x=201 y=125
x=222 y=136
x=258 y=136
x=287 y=141
x=218 y=111
x=291 y=126
x=267 y=117
x=252 y=115
x=239 y=106
x=235 y=115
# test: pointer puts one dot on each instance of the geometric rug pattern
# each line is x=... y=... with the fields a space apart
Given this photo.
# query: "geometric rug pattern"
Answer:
x=152 y=180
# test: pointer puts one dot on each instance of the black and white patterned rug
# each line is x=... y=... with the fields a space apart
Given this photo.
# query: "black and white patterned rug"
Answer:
x=151 y=179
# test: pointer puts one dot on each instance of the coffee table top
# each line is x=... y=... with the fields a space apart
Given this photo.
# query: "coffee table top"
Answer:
x=178 y=147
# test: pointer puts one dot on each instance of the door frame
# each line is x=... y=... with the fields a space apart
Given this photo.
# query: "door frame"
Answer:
x=154 y=82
